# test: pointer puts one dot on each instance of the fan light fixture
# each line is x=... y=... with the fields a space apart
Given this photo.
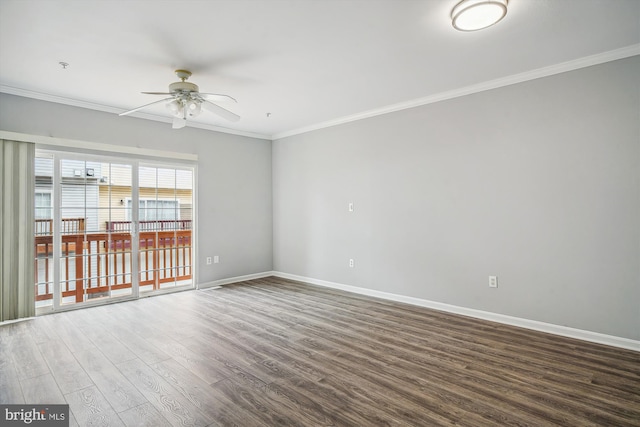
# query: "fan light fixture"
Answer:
x=193 y=108
x=472 y=15
x=178 y=107
x=186 y=101
x=175 y=107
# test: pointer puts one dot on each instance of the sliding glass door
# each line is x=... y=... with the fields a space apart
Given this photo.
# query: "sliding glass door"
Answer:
x=165 y=216
x=109 y=229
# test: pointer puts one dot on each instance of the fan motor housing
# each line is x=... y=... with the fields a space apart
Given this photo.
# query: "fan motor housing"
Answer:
x=183 y=87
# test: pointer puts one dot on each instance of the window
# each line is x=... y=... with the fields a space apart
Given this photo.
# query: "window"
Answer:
x=156 y=210
x=43 y=204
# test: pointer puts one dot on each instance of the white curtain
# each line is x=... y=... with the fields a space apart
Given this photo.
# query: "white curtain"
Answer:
x=17 y=185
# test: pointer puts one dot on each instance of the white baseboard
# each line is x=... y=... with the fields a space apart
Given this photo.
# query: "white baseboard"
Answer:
x=485 y=315
x=236 y=279
x=22 y=319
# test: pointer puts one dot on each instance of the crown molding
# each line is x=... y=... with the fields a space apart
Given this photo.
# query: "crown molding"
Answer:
x=538 y=73
x=563 y=67
x=109 y=109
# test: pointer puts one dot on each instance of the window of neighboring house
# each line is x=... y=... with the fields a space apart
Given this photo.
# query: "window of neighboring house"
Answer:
x=43 y=204
x=156 y=210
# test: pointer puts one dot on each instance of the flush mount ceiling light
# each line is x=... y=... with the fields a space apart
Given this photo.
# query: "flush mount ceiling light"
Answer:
x=472 y=15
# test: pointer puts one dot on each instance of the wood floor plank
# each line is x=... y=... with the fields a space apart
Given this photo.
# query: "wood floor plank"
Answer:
x=200 y=364
x=40 y=330
x=229 y=352
x=66 y=370
x=26 y=357
x=114 y=386
x=90 y=408
x=340 y=407
x=137 y=320
x=198 y=392
x=135 y=343
x=249 y=395
x=145 y=415
x=171 y=404
x=10 y=389
x=72 y=419
x=102 y=337
x=42 y=389
x=64 y=324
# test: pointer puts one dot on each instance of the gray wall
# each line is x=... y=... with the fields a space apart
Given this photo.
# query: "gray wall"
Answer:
x=234 y=175
x=537 y=183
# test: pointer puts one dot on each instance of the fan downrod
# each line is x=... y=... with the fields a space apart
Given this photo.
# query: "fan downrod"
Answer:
x=183 y=74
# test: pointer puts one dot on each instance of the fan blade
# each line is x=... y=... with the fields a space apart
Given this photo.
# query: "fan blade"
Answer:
x=179 y=123
x=222 y=112
x=157 y=93
x=217 y=97
x=144 y=106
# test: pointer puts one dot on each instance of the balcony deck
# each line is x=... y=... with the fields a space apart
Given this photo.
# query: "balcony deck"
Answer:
x=98 y=264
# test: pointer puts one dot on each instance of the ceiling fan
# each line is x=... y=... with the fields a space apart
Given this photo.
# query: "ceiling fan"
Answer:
x=185 y=101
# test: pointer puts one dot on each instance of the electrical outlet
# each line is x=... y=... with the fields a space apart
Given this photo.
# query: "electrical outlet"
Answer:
x=208 y=260
x=493 y=281
x=216 y=259
x=351 y=263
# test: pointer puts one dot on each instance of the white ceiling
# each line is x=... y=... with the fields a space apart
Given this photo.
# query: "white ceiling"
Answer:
x=309 y=63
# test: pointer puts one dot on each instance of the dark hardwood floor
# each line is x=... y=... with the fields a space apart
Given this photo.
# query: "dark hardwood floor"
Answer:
x=273 y=352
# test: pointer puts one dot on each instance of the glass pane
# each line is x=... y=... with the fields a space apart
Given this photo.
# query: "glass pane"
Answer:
x=73 y=194
x=119 y=264
x=186 y=215
x=44 y=214
x=147 y=178
x=167 y=179
x=120 y=176
x=184 y=179
x=68 y=291
x=43 y=227
x=167 y=214
x=43 y=168
x=72 y=169
x=118 y=243
x=72 y=221
x=68 y=265
x=120 y=220
x=147 y=262
x=148 y=214
x=167 y=263
x=119 y=187
x=44 y=271
x=96 y=220
x=43 y=202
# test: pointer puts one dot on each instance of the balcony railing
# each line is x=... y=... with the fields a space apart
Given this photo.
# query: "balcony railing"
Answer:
x=95 y=264
x=44 y=227
x=160 y=225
